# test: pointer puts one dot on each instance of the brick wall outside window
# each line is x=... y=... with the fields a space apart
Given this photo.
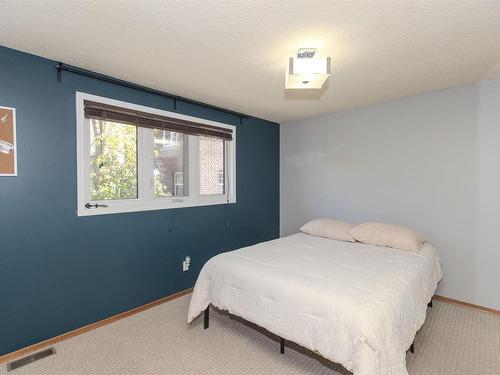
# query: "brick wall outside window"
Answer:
x=211 y=165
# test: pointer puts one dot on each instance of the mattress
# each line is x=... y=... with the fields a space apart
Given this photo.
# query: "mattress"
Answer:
x=355 y=304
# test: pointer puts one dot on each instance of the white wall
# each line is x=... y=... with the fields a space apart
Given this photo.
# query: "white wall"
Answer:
x=430 y=162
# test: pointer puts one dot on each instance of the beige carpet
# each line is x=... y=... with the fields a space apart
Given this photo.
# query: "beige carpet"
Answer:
x=454 y=340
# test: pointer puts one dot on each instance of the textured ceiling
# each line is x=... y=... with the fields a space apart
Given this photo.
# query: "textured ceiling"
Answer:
x=234 y=54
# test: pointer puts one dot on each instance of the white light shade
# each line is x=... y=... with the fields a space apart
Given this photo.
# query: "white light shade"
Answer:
x=307 y=73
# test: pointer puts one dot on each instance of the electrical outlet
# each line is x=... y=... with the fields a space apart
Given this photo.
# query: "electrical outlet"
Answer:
x=186 y=263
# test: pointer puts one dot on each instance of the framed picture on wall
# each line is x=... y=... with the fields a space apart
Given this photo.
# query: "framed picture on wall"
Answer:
x=8 y=150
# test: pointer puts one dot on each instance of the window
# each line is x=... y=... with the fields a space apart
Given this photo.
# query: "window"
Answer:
x=135 y=158
x=211 y=164
x=112 y=161
x=170 y=163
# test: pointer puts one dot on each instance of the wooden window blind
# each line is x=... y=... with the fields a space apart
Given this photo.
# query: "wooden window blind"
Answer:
x=106 y=112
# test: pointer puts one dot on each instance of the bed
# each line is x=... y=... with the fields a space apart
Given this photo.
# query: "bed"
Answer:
x=355 y=304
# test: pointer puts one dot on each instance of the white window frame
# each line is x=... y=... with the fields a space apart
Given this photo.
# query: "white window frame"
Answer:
x=146 y=201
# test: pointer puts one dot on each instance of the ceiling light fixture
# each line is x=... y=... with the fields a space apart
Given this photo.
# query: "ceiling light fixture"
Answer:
x=306 y=71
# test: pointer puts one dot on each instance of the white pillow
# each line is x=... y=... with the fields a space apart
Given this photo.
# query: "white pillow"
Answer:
x=333 y=229
x=387 y=235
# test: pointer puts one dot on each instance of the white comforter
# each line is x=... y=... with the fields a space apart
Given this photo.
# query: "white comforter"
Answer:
x=355 y=304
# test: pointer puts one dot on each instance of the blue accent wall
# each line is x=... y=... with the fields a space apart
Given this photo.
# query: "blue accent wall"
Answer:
x=58 y=271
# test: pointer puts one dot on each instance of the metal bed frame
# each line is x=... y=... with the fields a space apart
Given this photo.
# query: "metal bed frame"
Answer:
x=206 y=324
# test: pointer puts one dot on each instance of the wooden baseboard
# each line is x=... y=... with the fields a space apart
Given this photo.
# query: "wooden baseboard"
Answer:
x=466 y=304
x=24 y=351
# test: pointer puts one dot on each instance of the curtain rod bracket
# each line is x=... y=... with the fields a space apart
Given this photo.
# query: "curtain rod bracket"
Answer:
x=59 y=71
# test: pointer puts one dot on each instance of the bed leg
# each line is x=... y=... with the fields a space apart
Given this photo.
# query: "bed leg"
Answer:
x=282 y=345
x=206 y=315
x=430 y=304
x=412 y=347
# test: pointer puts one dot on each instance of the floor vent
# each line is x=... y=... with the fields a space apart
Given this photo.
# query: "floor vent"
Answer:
x=30 y=358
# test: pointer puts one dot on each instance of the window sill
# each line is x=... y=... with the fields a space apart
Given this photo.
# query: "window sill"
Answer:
x=143 y=206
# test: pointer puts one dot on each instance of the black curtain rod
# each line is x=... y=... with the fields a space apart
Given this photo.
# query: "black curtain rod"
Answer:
x=101 y=77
